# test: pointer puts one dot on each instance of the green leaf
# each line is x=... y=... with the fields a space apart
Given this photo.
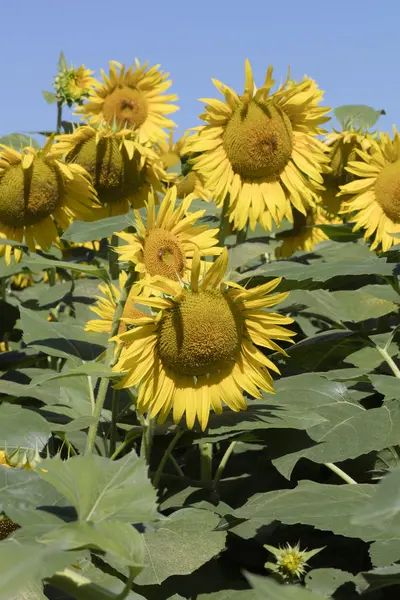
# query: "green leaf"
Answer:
x=18 y=390
x=348 y=431
x=81 y=231
x=22 y=428
x=327 y=581
x=383 y=509
x=387 y=385
x=382 y=577
x=18 y=141
x=32 y=590
x=55 y=293
x=14 y=484
x=121 y=541
x=340 y=233
x=103 y=490
x=50 y=97
x=36 y=263
x=188 y=538
x=90 y=369
x=327 y=507
x=268 y=589
x=243 y=254
x=59 y=339
x=357 y=116
x=24 y=562
x=385 y=552
x=62 y=63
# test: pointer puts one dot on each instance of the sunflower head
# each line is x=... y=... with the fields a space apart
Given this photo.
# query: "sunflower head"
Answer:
x=121 y=169
x=132 y=99
x=165 y=245
x=7 y=527
x=73 y=85
x=37 y=190
x=373 y=197
x=201 y=348
x=261 y=148
x=291 y=562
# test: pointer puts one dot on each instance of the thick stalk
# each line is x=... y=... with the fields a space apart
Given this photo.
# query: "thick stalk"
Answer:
x=242 y=234
x=222 y=464
x=224 y=223
x=114 y=421
x=147 y=437
x=110 y=360
x=59 y=116
x=206 y=452
x=340 y=473
x=385 y=354
x=113 y=258
x=165 y=457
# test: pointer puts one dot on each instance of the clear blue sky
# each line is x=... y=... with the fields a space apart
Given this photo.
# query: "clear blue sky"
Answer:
x=350 y=47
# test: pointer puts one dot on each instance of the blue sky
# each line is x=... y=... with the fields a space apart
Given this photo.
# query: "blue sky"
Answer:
x=350 y=49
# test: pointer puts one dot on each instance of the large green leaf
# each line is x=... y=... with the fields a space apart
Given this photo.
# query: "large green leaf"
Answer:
x=82 y=231
x=24 y=562
x=18 y=141
x=188 y=538
x=22 y=428
x=36 y=263
x=385 y=552
x=382 y=511
x=14 y=484
x=103 y=490
x=65 y=340
x=357 y=116
x=387 y=385
x=268 y=589
x=347 y=432
x=327 y=581
x=327 y=507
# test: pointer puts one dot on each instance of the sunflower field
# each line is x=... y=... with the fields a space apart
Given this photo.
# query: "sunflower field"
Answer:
x=199 y=345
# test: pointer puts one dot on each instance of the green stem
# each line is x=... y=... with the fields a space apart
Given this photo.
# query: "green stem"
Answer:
x=114 y=421
x=124 y=445
x=128 y=585
x=52 y=273
x=110 y=361
x=385 y=354
x=242 y=234
x=91 y=394
x=166 y=455
x=113 y=258
x=176 y=466
x=224 y=223
x=340 y=473
x=147 y=437
x=59 y=116
x=222 y=464
x=206 y=452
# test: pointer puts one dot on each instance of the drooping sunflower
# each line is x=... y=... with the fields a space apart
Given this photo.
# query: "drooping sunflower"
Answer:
x=171 y=155
x=374 y=202
x=304 y=235
x=38 y=192
x=166 y=245
x=107 y=303
x=133 y=99
x=123 y=171
x=262 y=149
x=201 y=349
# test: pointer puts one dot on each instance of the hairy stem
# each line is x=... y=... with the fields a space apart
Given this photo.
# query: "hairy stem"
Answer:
x=222 y=464
x=340 y=473
x=224 y=223
x=110 y=360
x=166 y=455
x=386 y=356
x=206 y=452
x=114 y=420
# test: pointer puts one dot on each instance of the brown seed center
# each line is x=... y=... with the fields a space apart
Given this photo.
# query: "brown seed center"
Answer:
x=258 y=140
x=163 y=254
x=387 y=191
x=126 y=106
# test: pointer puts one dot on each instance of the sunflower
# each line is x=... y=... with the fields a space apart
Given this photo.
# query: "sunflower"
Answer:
x=37 y=191
x=171 y=155
x=73 y=85
x=374 y=202
x=201 y=349
x=20 y=281
x=133 y=99
x=105 y=306
x=166 y=244
x=262 y=149
x=123 y=171
x=304 y=235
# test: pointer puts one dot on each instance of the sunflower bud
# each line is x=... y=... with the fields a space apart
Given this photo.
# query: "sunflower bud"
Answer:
x=291 y=562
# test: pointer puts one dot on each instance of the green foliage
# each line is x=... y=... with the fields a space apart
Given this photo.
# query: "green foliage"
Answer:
x=357 y=116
